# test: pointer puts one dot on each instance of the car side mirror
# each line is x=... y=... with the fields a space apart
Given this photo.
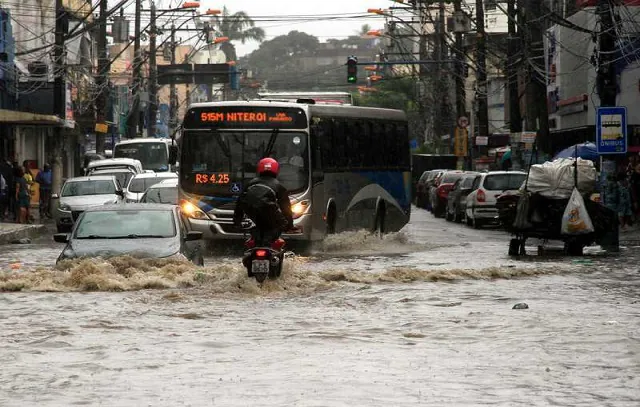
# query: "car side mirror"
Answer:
x=173 y=155
x=193 y=235
x=55 y=196
x=61 y=238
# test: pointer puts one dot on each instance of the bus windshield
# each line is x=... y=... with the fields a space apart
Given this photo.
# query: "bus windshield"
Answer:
x=213 y=161
x=153 y=156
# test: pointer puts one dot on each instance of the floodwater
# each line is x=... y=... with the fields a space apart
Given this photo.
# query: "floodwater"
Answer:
x=423 y=317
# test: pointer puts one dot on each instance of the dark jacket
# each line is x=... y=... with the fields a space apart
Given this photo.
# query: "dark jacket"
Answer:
x=266 y=202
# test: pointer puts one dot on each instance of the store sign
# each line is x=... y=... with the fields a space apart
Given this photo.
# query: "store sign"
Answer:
x=482 y=141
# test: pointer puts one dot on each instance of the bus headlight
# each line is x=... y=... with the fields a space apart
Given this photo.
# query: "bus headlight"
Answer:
x=299 y=208
x=192 y=211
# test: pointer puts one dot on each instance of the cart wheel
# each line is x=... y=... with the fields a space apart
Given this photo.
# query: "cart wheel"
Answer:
x=573 y=248
x=514 y=246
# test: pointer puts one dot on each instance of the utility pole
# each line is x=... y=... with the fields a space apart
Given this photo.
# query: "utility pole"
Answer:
x=481 y=73
x=134 y=112
x=59 y=90
x=423 y=73
x=537 y=116
x=153 y=75
x=606 y=75
x=515 y=119
x=441 y=91
x=173 y=102
x=101 y=79
x=459 y=67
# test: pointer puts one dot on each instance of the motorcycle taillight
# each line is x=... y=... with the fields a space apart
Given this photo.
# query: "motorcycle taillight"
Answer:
x=249 y=243
x=278 y=244
x=261 y=253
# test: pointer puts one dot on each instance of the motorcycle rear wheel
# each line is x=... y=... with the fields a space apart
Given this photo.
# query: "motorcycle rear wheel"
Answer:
x=260 y=277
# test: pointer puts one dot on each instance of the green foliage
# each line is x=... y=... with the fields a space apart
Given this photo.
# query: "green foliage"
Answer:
x=238 y=27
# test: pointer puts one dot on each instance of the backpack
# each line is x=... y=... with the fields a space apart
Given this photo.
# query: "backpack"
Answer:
x=261 y=205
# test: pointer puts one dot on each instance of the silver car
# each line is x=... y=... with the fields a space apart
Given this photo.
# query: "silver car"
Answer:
x=78 y=194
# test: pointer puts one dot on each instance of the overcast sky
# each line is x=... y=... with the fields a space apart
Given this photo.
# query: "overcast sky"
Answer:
x=321 y=29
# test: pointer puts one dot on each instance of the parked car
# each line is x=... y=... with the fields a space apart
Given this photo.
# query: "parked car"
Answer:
x=138 y=230
x=141 y=182
x=481 y=201
x=164 y=192
x=440 y=191
x=457 y=198
x=112 y=163
x=422 y=187
x=123 y=175
x=80 y=193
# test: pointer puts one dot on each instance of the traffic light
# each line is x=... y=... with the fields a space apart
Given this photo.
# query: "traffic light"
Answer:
x=352 y=69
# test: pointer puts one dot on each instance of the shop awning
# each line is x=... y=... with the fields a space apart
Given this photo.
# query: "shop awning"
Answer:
x=26 y=118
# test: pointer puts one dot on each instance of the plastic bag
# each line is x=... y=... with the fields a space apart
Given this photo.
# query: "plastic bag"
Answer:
x=576 y=220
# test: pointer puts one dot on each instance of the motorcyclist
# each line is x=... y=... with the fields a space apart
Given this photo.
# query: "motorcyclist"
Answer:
x=266 y=202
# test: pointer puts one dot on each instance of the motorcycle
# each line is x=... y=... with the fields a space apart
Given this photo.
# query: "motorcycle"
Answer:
x=262 y=259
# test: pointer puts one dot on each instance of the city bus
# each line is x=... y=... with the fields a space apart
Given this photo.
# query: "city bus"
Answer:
x=334 y=98
x=153 y=153
x=345 y=167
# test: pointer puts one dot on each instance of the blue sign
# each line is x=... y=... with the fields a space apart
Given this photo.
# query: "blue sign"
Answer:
x=611 y=130
x=413 y=143
x=236 y=188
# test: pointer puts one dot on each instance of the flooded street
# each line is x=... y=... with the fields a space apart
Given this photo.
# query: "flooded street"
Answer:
x=423 y=317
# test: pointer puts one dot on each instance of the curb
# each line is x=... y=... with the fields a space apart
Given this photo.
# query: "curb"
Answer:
x=30 y=231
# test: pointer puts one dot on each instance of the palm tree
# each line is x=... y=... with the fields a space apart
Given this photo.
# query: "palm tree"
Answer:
x=237 y=27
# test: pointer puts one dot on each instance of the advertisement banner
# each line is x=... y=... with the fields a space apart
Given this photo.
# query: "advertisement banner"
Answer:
x=460 y=142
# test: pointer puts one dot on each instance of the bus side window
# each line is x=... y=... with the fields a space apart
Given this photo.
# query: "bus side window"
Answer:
x=403 y=141
x=326 y=140
x=338 y=142
x=391 y=146
x=377 y=145
x=318 y=137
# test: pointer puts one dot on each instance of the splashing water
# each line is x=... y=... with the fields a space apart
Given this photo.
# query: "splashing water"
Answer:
x=230 y=278
x=363 y=242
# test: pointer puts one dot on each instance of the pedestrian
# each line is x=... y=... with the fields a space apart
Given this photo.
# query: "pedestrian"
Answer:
x=29 y=178
x=8 y=207
x=44 y=180
x=634 y=186
x=23 y=197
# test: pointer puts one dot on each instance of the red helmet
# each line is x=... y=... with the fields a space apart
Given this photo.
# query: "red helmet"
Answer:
x=268 y=165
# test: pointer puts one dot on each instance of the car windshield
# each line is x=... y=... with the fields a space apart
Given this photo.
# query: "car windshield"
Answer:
x=153 y=156
x=122 y=177
x=232 y=158
x=80 y=188
x=161 y=196
x=126 y=224
x=503 y=182
x=138 y=185
x=451 y=177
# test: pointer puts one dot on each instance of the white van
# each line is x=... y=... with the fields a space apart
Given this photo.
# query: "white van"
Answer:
x=113 y=163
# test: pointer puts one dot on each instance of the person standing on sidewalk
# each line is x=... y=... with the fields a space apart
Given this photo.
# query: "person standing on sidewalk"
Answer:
x=23 y=197
x=44 y=180
x=9 y=203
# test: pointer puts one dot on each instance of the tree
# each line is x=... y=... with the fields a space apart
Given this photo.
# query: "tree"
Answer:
x=364 y=29
x=237 y=27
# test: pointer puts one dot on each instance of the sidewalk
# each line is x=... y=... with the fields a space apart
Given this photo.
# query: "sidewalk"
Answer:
x=16 y=231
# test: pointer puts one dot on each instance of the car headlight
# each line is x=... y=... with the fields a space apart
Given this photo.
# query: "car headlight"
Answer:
x=299 y=208
x=65 y=207
x=192 y=211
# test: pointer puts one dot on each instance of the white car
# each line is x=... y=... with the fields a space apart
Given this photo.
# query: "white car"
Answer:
x=141 y=182
x=112 y=163
x=481 y=201
x=80 y=193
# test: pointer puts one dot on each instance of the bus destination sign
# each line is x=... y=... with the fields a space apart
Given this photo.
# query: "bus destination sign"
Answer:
x=245 y=117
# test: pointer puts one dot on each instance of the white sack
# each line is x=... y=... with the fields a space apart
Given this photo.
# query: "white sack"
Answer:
x=576 y=220
x=554 y=179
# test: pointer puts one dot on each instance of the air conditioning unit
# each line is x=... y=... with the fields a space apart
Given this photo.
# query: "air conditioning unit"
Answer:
x=38 y=71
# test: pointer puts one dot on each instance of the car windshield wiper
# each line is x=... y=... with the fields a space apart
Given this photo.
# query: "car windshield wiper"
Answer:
x=94 y=237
